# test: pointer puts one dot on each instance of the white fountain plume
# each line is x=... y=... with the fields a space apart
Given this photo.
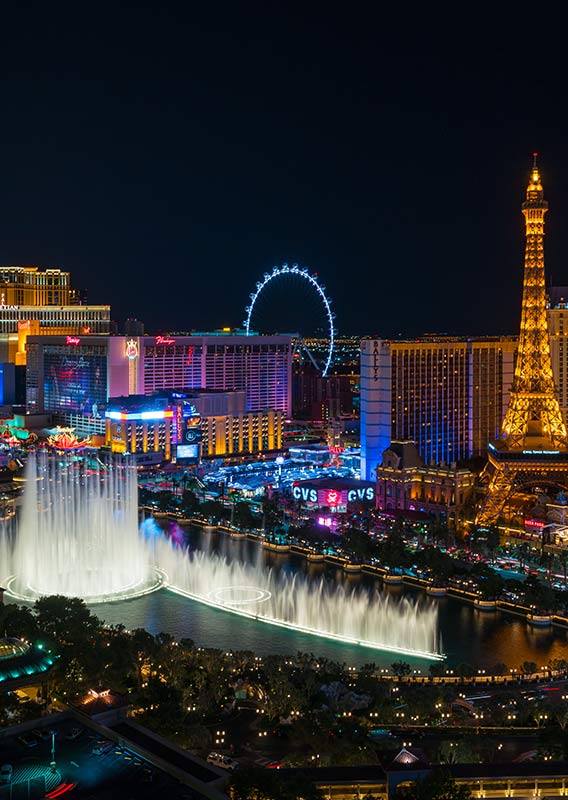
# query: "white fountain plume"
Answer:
x=79 y=536
x=78 y=533
x=356 y=616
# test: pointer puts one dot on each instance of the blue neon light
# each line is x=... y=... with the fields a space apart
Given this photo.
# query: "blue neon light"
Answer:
x=139 y=415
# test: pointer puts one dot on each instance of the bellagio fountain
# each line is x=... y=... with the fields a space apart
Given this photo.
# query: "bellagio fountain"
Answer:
x=78 y=534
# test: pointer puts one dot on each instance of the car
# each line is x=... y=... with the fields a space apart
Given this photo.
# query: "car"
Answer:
x=224 y=762
x=6 y=773
x=73 y=733
x=101 y=747
x=28 y=740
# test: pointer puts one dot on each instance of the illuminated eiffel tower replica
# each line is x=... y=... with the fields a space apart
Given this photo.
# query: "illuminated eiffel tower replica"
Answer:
x=533 y=448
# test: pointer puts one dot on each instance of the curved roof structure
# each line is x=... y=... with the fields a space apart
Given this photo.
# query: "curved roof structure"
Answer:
x=11 y=647
x=19 y=660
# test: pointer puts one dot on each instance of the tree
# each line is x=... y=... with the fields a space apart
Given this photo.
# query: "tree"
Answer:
x=165 y=501
x=213 y=510
x=144 y=496
x=357 y=542
x=401 y=668
x=493 y=539
x=271 y=513
x=492 y=586
x=438 y=785
x=242 y=515
x=440 y=565
x=439 y=532
x=189 y=503
x=17 y=621
x=252 y=783
x=394 y=553
x=144 y=648
x=458 y=752
x=66 y=620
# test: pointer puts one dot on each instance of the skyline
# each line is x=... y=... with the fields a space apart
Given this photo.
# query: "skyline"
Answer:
x=361 y=157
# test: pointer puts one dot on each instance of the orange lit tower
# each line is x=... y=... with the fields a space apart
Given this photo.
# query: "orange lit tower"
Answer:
x=533 y=448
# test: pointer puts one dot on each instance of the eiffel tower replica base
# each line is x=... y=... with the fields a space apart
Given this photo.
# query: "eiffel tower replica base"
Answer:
x=511 y=471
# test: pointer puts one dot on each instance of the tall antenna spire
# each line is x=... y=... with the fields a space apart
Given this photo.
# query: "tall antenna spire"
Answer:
x=534 y=189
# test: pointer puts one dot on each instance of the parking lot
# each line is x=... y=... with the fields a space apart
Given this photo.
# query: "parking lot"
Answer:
x=85 y=767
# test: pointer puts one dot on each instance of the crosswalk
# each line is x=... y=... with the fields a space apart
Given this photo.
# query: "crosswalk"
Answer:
x=31 y=781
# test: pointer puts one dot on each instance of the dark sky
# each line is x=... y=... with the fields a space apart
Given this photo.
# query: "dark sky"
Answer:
x=168 y=155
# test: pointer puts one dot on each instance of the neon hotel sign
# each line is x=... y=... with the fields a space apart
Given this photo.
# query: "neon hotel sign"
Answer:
x=164 y=340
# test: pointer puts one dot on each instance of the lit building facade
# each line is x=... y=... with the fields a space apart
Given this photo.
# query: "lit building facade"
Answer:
x=188 y=426
x=405 y=483
x=446 y=394
x=35 y=302
x=557 y=314
x=72 y=377
x=30 y=286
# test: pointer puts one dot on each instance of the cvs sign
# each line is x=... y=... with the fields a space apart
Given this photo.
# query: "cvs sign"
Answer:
x=304 y=493
x=364 y=493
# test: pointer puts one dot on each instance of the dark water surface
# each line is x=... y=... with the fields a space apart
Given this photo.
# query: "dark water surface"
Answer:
x=467 y=635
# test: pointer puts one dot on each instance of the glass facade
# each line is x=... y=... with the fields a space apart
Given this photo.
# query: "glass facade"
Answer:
x=75 y=382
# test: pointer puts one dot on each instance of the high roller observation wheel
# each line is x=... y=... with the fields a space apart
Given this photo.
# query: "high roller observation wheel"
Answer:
x=301 y=272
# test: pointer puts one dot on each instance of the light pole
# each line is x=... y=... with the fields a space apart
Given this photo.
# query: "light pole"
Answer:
x=53 y=765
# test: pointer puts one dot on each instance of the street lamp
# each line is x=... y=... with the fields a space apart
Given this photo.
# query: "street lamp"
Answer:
x=53 y=765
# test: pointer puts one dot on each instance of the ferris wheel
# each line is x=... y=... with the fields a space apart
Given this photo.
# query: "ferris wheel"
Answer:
x=291 y=300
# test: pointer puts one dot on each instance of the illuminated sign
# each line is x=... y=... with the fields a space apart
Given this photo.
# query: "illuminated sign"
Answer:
x=303 y=493
x=131 y=349
x=193 y=434
x=24 y=325
x=139 y=415
x=72 y=340
x=364 y=493
x=541 y=452
x=332 y=498
x=188 y=451
x=164 y=340
x=535 y=524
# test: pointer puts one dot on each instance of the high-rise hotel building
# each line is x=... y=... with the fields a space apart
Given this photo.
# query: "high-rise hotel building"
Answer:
x=73 y=377
x=34 y=302
x=557 y=315
x=449 y=395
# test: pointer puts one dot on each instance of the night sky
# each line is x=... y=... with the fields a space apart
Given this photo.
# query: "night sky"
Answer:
x=168 y=155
